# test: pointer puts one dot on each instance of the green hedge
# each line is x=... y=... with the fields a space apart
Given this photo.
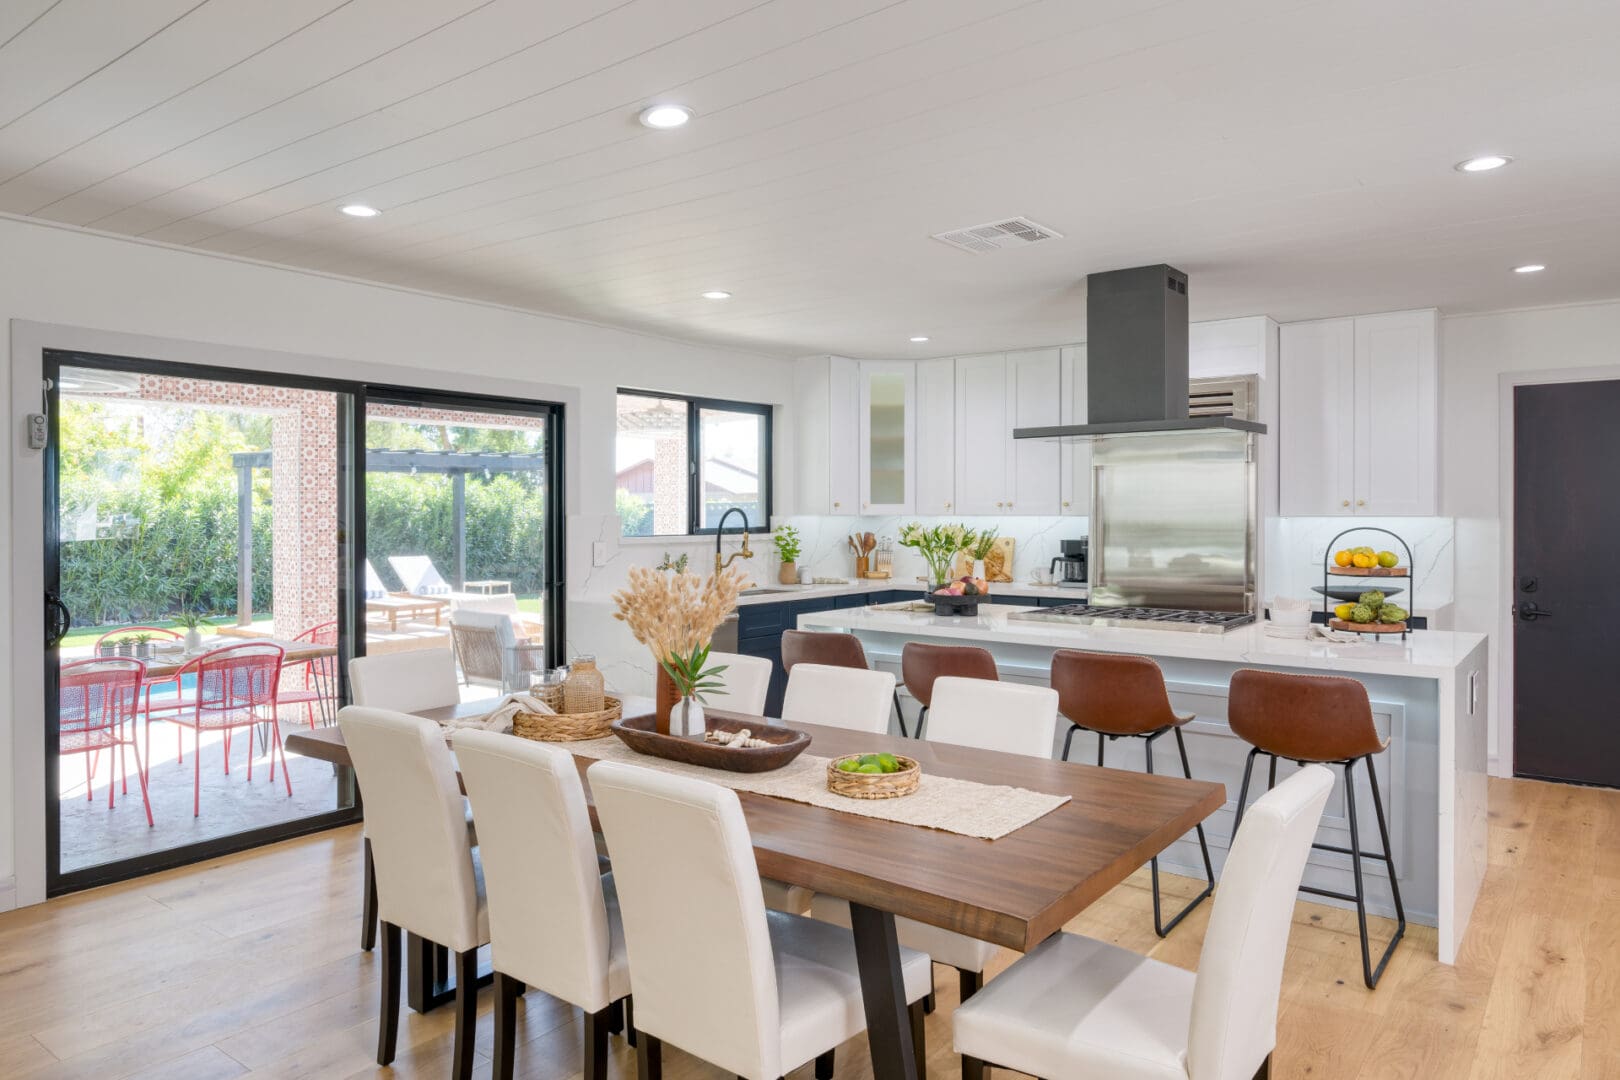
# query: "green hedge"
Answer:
x=414 y=515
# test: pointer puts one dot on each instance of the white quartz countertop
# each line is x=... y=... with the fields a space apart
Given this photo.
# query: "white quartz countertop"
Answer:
x=777 y=594
x=1424 y=653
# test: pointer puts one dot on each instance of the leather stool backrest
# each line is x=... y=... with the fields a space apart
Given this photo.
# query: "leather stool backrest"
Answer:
x=1303 y=717
x=829 y=650
x=921 y=664
x=1111 y=693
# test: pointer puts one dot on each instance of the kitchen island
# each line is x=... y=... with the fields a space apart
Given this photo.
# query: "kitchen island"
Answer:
x=1428 y=695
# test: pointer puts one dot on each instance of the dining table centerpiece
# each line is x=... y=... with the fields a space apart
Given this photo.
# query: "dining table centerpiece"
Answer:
x=676 y=616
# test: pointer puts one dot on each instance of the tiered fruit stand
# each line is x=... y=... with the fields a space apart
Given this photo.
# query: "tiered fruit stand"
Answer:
x=1371 y=576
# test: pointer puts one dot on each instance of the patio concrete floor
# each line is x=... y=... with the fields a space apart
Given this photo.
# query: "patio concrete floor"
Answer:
x=91 y=834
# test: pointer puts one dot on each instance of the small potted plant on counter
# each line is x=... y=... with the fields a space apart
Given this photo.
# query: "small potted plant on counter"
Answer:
x=193 y=624
x=143 y=645
x=788 y=549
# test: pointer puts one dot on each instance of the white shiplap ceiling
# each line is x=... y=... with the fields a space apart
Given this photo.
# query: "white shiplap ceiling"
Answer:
x=1294 y=158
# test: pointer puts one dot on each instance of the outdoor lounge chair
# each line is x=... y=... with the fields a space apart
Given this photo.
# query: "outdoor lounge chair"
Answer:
x=419 y=576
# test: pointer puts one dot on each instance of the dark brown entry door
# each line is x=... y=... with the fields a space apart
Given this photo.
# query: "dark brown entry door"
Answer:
x=1566 y=582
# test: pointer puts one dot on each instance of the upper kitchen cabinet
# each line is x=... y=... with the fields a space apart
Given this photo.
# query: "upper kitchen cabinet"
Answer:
x=995 y=394
x=827 y=396
x=936 y=436
x=887 y=449
x=1074 y=455
x=1358 y=416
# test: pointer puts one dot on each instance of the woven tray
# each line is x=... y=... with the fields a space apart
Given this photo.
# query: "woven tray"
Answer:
x=568 y=727
x=873 y=785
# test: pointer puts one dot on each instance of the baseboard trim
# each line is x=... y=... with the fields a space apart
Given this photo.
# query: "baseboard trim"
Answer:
x=8 y=893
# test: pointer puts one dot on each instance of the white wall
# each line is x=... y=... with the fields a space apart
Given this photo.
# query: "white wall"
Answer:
x=1480 y=357
x=279 y=319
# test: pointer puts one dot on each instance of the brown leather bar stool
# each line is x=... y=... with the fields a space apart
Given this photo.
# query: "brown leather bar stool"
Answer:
x=832 y=650
x=1324 y=719
x=1124 y=697
x=921 y=664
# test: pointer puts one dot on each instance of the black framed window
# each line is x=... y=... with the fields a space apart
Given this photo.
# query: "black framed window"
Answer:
x=682 y=462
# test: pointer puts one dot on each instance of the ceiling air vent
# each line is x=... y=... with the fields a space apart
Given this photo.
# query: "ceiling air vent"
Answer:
x=996 y=235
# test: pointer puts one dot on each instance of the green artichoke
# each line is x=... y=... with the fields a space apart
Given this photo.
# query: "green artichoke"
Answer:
x=1362 y=613
x=1390 y=613
x=1374 y=600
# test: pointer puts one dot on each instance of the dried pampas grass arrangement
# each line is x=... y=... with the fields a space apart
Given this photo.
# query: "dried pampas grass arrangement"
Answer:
x=676 y=614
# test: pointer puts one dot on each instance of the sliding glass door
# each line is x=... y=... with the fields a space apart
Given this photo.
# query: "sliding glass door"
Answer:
x=463 y=535
x=196 y=522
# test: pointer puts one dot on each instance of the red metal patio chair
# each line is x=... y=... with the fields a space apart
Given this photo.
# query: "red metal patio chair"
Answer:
x=148 y=685
x=97 y=698
x=320 y=675
x=235 y=688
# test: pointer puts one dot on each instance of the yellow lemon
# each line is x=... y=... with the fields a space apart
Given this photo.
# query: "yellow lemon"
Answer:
x=1343 y=611
x=1365 y=562
x=1341 y=557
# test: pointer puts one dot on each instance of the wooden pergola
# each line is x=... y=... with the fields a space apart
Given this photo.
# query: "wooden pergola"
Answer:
x=435 y=462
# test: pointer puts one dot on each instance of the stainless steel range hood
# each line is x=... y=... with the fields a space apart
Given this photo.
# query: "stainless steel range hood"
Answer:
x=1136 y=360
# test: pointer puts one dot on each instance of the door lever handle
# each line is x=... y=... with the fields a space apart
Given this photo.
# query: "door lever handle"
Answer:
x=1529 y=612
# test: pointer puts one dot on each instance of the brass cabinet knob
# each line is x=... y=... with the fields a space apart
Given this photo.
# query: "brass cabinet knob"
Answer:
x=835 y=505
x=947 y=506
x=1065 y=504
x=1345 y=503
x=1009 y=506
x=998 y=504
x=1361 y=502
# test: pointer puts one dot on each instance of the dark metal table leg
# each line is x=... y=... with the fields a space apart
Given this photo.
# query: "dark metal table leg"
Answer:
x=883 y=991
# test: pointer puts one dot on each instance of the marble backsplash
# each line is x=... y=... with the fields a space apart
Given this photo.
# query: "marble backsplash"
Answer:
x=827 y=552
x=1294 y=556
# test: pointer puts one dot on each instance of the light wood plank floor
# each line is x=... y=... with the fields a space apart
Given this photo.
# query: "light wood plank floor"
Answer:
x=249 y=966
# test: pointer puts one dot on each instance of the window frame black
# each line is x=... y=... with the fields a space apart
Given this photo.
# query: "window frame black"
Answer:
x=694 y=458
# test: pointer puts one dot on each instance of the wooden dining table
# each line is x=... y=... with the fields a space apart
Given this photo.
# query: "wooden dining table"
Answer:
x=162 y=665
x=1016 y=891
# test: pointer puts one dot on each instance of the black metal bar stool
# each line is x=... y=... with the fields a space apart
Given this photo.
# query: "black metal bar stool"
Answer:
x=1123 y=697
x=1327 y=720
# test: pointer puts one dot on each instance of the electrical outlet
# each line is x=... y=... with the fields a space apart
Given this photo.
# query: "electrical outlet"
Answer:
x=599 y=552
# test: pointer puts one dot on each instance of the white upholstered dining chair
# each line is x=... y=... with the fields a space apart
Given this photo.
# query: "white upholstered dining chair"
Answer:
x=404 y=682
x=746 y=679
x=553 y=917
x=1009 y=717
x=1075 y=1007
x=755 y=992
x=429 y=882
x=844 y=697
x=854 y=698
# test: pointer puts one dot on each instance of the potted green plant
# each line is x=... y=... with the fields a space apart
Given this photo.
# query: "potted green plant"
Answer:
x=978 y=549
x=143 y=645
x=788 y=548
x=193 y=624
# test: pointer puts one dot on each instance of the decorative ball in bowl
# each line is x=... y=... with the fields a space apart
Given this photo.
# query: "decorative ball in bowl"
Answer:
x=873 y=776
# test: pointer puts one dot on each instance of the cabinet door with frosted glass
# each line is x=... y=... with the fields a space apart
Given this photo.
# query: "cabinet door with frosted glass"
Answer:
x=888 y=437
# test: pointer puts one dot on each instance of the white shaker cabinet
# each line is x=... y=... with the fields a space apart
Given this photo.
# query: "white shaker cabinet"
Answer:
x=1358 y=416
x=887 y=448
x=827 y=395
x=983 y=439
x=1074 y=455
x=936 y=436
x=1033 y=392
x=996 y=474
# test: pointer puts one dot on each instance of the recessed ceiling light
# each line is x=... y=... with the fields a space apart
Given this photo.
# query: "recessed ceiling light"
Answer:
x=355 y=209
x=717 y=294
x=919 y=339
x=1483 y=163
x=1529 y=268
x=665 y=116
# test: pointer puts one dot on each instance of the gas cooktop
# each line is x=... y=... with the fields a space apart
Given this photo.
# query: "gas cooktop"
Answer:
x=1198 y=622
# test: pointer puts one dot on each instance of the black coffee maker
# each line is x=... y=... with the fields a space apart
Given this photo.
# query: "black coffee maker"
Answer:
x=1069 y=568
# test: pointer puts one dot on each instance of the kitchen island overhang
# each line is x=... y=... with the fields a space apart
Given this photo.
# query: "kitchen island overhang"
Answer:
x=1428 y=695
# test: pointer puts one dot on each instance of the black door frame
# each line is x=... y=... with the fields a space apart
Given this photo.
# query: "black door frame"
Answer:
x=351 y=476
x=555 y=606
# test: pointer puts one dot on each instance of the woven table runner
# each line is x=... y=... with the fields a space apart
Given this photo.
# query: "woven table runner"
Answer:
x=966 y=807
